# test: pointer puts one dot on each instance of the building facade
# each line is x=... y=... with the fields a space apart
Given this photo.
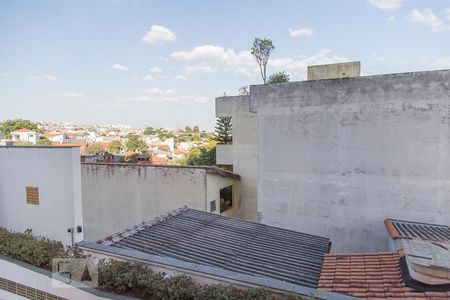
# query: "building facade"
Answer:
x=117 y=196
x=336 y=157
x=40 y=189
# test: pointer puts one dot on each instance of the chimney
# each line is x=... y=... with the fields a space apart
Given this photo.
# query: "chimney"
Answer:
x=332 y=71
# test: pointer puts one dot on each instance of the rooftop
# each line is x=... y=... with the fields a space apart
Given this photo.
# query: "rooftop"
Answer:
x=23 y=130
x=228 y=243
x=398 y=229
x=209 y=169
x=372 y=276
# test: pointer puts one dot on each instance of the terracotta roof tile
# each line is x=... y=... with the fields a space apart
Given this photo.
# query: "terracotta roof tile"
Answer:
x=415 y=230
x=370 y=276
x=23 y=130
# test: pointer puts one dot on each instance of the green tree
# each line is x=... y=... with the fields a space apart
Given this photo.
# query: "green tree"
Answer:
x=44 y=141
x=94 y=149
x=9 y=126
x=135 y=144
x=149 y=131
x=244 y=91
x=224 y=130
x=202 y=156
x=115 y=147
x=279 y=77
x=261 y=50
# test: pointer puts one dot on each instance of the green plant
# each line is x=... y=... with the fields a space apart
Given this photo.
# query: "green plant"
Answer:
x=37 y=251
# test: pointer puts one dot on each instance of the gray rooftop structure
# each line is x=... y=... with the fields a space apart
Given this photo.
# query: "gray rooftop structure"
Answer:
x=228 y=243
x=400 y=229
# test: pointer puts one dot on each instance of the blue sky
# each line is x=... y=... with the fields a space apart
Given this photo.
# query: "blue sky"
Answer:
x=162 y=63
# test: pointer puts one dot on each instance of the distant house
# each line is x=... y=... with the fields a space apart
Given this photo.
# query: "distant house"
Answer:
x=159 y=160
x=54 y=137
x=25 y=135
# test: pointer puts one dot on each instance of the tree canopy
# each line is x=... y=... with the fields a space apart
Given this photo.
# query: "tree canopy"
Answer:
x=135 y=144
x=94 y=149
x=149 y=131
x=261 y=50
x=279 y=77
x=9 y=126
x=224 y=130
x=115 y=147
x=202 y=156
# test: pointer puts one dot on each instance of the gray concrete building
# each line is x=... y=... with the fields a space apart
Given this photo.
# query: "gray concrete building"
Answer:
x=336 y=157
x=117 y=196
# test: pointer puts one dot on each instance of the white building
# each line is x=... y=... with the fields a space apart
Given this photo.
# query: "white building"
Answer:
x=40 y=189
x=25 y=135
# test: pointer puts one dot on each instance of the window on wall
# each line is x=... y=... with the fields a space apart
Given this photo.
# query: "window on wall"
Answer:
x=32 y=195
x=212 y=206
x=226 y=198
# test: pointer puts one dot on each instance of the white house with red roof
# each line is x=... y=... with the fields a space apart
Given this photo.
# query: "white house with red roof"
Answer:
x=25 y=135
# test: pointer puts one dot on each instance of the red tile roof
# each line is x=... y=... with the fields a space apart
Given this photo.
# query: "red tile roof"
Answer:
x=129 y=153
x=159 y=160
x=163 y=147
x=370 y=276
x=179 y=152
x=23 y=130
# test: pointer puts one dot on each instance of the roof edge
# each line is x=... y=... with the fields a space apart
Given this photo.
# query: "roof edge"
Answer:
x=273 y=284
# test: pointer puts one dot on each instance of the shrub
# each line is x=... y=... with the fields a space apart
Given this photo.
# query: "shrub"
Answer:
x=134 y=278
x=37 y=251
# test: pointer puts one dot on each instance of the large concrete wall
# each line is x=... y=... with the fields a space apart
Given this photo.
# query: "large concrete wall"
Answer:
x=337 y=157
x=243 y=153
x=118 y=196
x=56 y=173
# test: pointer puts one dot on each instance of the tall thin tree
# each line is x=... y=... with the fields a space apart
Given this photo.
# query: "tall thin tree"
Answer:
x=224 y=130
x=261 y=50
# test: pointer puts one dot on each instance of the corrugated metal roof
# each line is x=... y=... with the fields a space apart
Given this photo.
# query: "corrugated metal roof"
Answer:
x=423 y=231
x=231 y=244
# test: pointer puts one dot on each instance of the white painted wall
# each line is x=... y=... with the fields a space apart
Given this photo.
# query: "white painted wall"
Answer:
x=243 y=153
x=56 y=172
x=42 y=282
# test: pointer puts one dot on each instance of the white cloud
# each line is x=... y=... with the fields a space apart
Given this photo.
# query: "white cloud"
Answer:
x=242 y=62
x=180 y=77
x=119 y=68
x=157 y=95
x=392 y=19
x=447 y=12
x=428 y=18
x=301 y=32
x=155 y=70
x=72 y=95
x=216 y=57
x=442 y=63
x=199 y=69
x=149 y=78
x=159 y=92
x=300 y=64
x=44 y=77
x=386 y=4
x=159 y=35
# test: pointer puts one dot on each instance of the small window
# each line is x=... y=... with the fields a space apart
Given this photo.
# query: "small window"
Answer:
x=212 y=206
x=226 y=198
x=32 y=195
